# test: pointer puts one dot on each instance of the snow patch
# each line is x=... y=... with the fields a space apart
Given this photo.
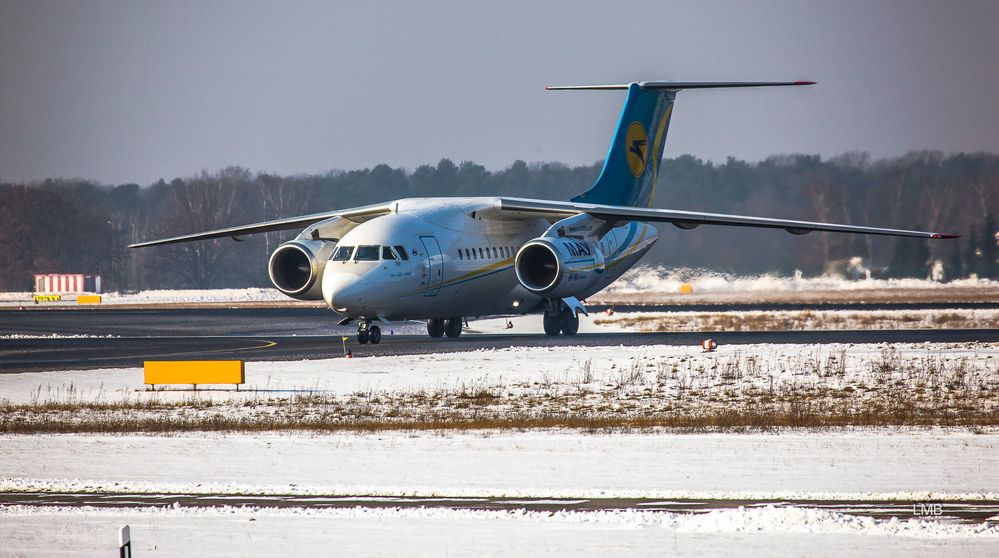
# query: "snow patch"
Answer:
x=662 y=279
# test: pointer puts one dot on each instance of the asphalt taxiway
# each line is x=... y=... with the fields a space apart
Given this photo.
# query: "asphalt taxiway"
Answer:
x=126 y=338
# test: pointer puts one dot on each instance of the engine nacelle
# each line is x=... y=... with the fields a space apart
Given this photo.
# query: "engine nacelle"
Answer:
x=296 y=268
x=557 y=267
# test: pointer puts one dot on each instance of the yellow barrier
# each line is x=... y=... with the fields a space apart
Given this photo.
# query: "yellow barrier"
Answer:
x=88 y=299
x=194 y=372
x=686 y=288
x=47 y=298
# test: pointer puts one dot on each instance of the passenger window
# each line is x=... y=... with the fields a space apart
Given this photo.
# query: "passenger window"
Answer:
x=402 y=252
x=495 y=253
x=481 y=256
x=459 y=254
x=387 y=253
x=366 y=254
x=468 y=254
x=342 y=253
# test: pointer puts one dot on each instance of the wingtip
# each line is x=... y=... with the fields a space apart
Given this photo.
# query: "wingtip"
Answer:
x=944 y=235
x=804 y=83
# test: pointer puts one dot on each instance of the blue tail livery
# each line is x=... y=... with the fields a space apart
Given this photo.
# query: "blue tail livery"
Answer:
x=631 y=168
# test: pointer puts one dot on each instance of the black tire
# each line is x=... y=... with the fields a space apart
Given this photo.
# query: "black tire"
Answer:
x=452 y=327
x=362 y=337
x=375 y=335
x=568 y=322
x=551 y=323
x=435 y=327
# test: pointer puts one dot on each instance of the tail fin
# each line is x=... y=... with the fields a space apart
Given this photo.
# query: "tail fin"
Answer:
x=632 y=164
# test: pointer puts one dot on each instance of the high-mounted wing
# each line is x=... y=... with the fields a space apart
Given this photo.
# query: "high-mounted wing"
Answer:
x=688 y=219
x=357 y=214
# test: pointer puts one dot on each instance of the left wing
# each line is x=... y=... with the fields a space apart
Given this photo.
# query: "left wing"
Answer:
x=687 y=219
x=356 y=214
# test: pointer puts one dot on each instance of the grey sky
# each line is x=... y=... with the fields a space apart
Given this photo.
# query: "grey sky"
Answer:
x=135 y=91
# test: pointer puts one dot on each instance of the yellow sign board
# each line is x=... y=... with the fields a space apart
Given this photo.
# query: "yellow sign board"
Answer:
x=194 y=372
x=48 y=298
x=88 y=299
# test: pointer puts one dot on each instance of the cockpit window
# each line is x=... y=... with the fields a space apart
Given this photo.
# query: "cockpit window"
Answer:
x=387 y=253
x=342 y=253
x=402 y=252
x=366 y=254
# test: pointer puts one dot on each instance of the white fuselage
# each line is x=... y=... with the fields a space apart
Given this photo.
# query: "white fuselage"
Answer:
x=459 y=261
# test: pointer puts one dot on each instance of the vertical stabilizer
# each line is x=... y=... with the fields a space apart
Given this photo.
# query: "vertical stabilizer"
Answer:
x=632 y=164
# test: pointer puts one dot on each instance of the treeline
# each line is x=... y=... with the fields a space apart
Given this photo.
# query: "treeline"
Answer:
x=79 y=226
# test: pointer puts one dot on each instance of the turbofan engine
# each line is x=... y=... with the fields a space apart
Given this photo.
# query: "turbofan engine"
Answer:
x=558 y=267
x=296 y=268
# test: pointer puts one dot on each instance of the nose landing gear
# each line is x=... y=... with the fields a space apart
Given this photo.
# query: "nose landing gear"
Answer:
x=368 y=333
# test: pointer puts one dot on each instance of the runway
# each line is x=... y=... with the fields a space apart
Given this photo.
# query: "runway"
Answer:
x=960 y=512
x=129 y=337
x=278 y=320
x=126 y=338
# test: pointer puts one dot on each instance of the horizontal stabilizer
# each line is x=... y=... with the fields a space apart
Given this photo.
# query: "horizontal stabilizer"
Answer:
x=677 y=85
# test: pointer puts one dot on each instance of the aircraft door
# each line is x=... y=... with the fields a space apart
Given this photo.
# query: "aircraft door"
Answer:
x=434 y=267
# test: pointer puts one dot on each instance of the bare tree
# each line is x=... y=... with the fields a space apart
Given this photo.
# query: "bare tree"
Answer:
x=208 y=201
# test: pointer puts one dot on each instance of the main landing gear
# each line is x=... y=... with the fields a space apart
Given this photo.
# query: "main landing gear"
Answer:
x=438 y=327
x=559 y=318
x=367 y=333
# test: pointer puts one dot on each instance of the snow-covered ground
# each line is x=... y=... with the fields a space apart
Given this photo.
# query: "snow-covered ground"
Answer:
x=439 y=532
x=942 y=465
x=164 y=296
x=922 y=465
x=668 y=280
x=653 y=374
x=796 y=320
x=858 y=464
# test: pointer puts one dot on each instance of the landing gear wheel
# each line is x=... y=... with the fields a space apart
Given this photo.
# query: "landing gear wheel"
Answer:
x=568 y=321
x=435 y=327
x=362 y=337
x=551 y=323
x=375 y=335
x=452 y=327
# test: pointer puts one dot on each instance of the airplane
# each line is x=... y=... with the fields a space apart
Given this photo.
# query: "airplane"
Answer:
x=445 y=259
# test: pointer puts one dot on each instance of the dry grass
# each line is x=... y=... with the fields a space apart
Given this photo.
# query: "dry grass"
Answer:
x=805 y=320
x=789 y=414
x=702 y=392
x=870 y=296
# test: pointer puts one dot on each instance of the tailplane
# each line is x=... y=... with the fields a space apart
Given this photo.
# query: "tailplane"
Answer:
x=632 y=164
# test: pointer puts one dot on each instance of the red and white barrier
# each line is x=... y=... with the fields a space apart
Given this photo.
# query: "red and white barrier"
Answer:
x=67 y=283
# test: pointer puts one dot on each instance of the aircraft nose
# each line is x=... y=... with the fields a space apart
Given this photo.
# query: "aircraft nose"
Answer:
x=342 y=291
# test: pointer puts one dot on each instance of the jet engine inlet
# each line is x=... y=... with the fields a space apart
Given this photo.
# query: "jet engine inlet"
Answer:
x=296 y=268
x=558 y=267
x=292 y=269
x=537 y=267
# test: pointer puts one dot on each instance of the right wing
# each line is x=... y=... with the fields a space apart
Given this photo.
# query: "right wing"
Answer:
x=687 y=219
x=356 y=214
